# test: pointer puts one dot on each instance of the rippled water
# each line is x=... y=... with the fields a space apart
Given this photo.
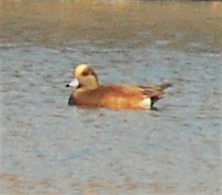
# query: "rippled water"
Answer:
x=48 y=147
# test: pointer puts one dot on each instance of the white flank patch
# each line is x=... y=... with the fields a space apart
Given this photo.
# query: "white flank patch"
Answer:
x=146 y=103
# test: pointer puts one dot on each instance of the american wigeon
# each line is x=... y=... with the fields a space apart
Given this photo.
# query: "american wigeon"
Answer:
x=125 y=96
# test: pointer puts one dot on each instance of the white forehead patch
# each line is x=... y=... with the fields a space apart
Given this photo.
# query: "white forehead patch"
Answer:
x=80 y=68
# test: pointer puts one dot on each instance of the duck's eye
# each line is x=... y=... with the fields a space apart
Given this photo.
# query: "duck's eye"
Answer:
x=85 y=73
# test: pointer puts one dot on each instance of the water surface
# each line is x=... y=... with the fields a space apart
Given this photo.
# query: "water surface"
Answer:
x=48 y=147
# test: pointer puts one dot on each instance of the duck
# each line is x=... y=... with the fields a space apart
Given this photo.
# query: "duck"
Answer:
x=89 y=93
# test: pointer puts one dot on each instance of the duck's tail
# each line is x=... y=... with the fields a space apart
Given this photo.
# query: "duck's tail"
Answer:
x=154 y=99
x=165 y=85
x=159 y=95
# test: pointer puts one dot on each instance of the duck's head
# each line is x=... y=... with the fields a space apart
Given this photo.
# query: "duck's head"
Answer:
x=84 y=77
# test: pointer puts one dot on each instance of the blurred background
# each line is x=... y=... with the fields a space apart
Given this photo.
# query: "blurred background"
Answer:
x=48 y=147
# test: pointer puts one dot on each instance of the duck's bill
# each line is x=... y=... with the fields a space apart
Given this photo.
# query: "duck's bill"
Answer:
x=73 y=83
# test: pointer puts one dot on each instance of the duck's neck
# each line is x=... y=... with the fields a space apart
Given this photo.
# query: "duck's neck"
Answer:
x=89 y=84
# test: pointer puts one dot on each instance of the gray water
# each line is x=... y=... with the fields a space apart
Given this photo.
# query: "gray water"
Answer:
x=48 y=147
